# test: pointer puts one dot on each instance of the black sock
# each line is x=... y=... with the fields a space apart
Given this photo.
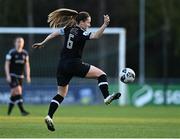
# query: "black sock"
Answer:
x=20 y=103
x=55 y=102
x=11 y=104
x=103 y=85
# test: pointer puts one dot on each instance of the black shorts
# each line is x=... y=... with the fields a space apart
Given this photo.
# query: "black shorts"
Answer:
x=69 y=68
x=15 y=82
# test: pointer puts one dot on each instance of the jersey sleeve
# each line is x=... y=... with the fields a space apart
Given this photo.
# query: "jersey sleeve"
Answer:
x=62 y=31
x=9 y=55
x=86 y=35
x=27 y=58
x=26 y=55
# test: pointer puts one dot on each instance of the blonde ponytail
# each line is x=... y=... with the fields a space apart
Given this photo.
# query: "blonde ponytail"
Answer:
x=62 y=17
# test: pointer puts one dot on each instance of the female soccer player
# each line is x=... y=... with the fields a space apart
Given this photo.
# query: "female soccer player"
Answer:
x=16 y=60
x=74 y=30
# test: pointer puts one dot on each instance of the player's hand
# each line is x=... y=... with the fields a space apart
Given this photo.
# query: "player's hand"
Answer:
x=28 y=80
x=106 y=20
x=8 y=79
x=37 y=45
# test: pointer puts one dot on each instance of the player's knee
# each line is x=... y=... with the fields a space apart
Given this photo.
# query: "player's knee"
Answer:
x=99 y=73
x=102 y=73
x=102 y=78
x=19 y=90
x=13 y=91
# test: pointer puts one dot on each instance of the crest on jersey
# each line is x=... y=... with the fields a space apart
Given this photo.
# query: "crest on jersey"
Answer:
x=86 y=33
x=16 y=56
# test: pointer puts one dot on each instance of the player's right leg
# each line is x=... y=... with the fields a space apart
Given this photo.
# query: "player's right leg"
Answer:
x=13 y=97
x=55 y=102
x=12 y=102
x=85 y=70
x=98 y=74
x=19 y=100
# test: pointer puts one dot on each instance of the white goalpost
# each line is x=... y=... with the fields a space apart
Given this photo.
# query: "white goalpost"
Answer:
x=114 y=30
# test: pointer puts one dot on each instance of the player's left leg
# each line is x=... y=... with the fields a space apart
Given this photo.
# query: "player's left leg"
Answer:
x=55 y=102
x=63 y=79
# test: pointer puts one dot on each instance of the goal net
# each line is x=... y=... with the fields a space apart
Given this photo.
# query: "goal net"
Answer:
x=108 y=53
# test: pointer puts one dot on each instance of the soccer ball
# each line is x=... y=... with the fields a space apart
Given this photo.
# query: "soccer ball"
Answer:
x=127 y=75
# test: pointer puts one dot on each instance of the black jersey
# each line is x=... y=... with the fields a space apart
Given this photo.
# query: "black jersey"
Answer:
x=17 y=62
x=75 y=39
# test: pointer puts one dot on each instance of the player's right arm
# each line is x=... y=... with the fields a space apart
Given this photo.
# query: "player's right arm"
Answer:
x=49 y=37
x=7 y=67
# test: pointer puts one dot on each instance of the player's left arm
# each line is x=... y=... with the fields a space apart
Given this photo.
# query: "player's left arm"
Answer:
x=100 y=31
x=27 y=70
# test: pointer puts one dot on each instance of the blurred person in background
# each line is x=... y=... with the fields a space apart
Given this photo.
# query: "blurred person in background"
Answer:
x=17 y=60
x=75 y=25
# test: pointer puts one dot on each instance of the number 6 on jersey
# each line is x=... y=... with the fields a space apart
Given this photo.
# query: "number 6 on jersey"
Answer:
x=70 y=41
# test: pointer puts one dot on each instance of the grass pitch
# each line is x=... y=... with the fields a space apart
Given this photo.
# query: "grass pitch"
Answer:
x=93 y=121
